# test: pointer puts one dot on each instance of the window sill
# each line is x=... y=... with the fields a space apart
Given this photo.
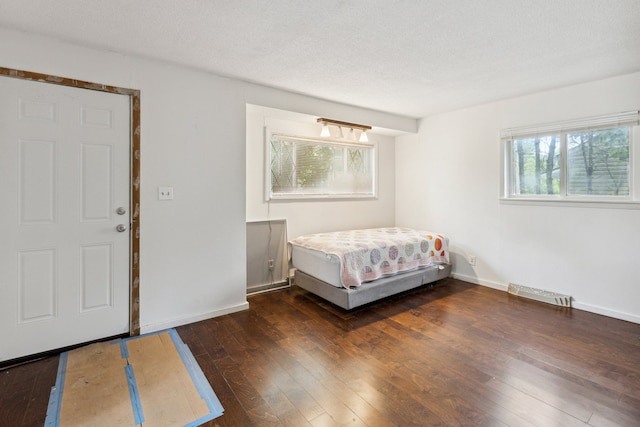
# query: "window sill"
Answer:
x=573 y=203
x=322 y=197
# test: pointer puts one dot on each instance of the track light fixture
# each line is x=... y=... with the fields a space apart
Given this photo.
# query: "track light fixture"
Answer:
x=339 y=124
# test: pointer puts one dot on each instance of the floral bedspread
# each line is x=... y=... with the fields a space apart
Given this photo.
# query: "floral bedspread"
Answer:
x=369 y=254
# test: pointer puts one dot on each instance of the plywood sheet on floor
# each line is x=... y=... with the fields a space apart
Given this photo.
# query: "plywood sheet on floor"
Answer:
x=151 y=380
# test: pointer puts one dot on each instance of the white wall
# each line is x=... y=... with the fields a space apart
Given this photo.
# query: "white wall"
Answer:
x=447 y=177
x=591 y=254
x=314 y=216
x=192 y=262
x=193 y=259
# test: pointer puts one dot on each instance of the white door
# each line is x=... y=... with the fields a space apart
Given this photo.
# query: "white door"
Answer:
x=64 y=174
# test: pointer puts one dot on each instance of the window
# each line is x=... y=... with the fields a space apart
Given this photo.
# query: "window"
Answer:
x=583 y=160
x=308 y=168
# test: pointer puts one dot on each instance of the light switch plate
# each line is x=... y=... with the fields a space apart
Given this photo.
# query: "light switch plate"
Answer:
x=165 y=193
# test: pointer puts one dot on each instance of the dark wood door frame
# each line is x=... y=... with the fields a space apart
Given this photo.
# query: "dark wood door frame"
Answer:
x=134 y=142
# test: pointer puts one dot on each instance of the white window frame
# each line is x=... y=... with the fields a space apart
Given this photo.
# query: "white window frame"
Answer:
x=270 y=196
x=508 y=136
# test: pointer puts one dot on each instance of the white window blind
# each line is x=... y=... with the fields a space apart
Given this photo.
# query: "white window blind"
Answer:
x=310 y=168
x=582 y=159
x=626 y=119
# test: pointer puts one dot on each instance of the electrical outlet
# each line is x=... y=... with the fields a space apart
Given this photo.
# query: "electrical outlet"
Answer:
x=472 y=260
x=271 y=264
x=165 y=193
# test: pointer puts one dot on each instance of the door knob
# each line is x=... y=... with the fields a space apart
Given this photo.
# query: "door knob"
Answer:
x=121 y=211
x=121 y=227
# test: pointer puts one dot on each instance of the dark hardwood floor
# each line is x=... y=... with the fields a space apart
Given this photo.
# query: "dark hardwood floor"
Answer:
x=455 y=354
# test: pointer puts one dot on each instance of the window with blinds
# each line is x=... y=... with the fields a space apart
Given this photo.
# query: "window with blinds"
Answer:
x=309 y=168
x=581 y=159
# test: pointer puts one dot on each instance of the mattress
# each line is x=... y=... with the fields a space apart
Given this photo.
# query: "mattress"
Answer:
x=318 y=264
x=349 y=258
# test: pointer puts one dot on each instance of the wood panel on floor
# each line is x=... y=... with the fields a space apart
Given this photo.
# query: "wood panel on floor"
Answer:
x=453 y=354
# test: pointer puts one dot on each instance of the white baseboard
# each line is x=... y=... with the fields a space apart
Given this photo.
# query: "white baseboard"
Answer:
x=155 y=327
x=575 y=304
x=606 y=312
x=476 y=281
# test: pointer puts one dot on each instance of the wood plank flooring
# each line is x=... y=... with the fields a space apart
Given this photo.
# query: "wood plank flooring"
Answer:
x=454 y=354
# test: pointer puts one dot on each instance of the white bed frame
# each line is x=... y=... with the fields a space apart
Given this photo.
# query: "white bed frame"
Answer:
x=371 y=291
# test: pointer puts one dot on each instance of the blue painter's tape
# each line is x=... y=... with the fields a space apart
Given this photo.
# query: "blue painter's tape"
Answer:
x=202 y=420
x=124 y=350
x=55 y=398
x=197 y=376
x=136 y=405
x=150 y=334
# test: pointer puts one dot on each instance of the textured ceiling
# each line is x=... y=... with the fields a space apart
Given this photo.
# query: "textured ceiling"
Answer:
x=409 y=57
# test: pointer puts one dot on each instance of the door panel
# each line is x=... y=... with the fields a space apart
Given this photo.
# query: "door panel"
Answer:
x=95 y=182
x=65 y=166
x=96 y=281
x=36 y=181
x=37 y=285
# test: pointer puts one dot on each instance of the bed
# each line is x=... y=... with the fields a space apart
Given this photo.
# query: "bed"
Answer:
x=356 y=267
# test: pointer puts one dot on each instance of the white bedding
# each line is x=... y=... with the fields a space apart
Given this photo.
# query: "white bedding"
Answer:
x=349 y=258
x=325 y=267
